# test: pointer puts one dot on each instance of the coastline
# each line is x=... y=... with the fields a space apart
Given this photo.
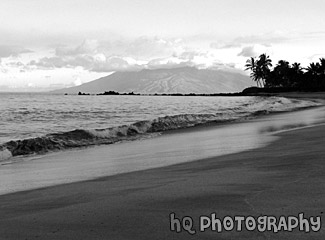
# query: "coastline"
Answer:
x=285 y=177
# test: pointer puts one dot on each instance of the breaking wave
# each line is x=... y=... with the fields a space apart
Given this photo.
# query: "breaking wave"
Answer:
x=85 y=137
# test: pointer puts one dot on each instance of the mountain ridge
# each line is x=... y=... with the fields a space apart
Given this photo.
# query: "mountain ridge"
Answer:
x=164 y=80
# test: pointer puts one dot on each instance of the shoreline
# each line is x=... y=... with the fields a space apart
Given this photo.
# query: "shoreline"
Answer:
x=285 y=177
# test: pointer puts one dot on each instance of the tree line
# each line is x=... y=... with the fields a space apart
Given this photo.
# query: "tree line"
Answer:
x=286 y=75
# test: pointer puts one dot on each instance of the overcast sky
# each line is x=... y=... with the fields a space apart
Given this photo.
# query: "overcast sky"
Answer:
x=44 y=42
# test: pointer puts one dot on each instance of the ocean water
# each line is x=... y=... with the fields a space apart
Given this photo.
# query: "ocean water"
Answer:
x=37 y=123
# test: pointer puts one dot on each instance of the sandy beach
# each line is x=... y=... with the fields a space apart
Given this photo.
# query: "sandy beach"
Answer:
x=284 y=178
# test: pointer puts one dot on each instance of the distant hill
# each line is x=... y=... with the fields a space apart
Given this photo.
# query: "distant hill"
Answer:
x=176 y=80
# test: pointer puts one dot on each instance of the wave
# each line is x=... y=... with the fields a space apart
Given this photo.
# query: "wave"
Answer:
x=84 y=137
x=89 y=137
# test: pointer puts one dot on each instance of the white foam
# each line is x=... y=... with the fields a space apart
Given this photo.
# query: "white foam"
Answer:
x=5 y=154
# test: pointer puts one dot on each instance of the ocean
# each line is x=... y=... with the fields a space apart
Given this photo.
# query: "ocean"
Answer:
x=32 y=123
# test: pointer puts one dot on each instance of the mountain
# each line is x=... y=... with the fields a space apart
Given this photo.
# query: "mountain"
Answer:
x=176 y=80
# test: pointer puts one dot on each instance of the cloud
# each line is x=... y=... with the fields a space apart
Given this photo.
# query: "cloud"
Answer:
x=49 y=63
x=222 y=45
x=265 y=38
x=17 y=64
x=115 y=63
x=279 y=37
x=96 y=63
x=143 y=47
x=87 y=47
x=254 y=50
x=191 y=54
x=77 y=81
x=200 y=59
x=126 y=55
x=153 y=47
x=316 y=57
x=170 y=62
x=7 y=65
x=12 y=51
x=110 y=56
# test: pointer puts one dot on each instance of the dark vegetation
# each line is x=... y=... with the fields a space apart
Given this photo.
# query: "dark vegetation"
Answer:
x=117 y=93
x=285 y=76
x=80 y=93
x=164 y=94
x=109 y=93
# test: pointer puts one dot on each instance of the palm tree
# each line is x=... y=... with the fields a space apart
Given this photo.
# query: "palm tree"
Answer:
x=263 y=65
x=313 y=69
x=283 y=64
x=322 y=66
x=260 y=68
x=296 y=75
x=296 y=68
x=314 y=72
x=280 y=74
x=321 y=81
x=251 y=65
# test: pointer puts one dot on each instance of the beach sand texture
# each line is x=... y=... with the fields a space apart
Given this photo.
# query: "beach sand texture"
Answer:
x=286 y=177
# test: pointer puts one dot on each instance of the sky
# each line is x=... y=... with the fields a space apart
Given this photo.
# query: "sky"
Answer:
x=52 y=44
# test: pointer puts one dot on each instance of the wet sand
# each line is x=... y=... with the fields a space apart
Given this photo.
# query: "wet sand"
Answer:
x=286 y=177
